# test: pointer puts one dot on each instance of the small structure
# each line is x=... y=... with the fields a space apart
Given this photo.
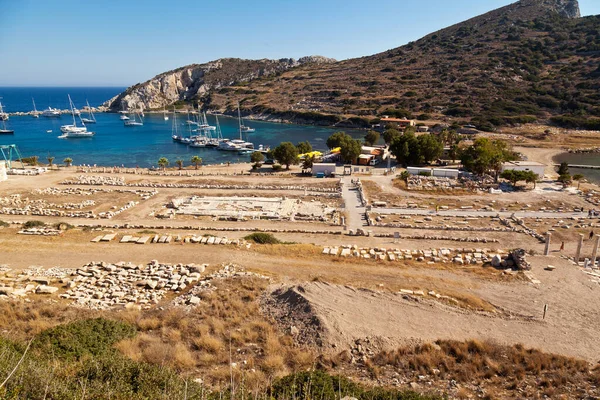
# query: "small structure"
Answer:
x=422 y=128
x=437 y=172
x=400 y=122
x=3 y=176
x=534 y=166
x=326 y=169
x=370 y=155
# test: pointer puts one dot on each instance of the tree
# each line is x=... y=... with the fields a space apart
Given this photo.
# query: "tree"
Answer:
x=404 y=175
x=578 y=178
x=286 y=153
x=163 y=163
x=430 y=148
x=308 y=162
x=50 y=161
x=406 y=149
x=196 y=161
x=257 y=157
x=304 y=147
x=371 y=138
x=565 y=179
x=350 y=149
x=532 y=177
x=514 y=176
x=563 y=169
x=454 y=152
x=390 y=134
x=485 y=155
x=336 y=139
x=68 y=161
x=179 y=163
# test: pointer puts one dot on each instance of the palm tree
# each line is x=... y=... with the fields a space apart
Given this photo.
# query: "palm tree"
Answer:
x=578 y=178
x=179 y=163
x=50 y=161
x=196 y=161
x=163 y=163
x=68 y=161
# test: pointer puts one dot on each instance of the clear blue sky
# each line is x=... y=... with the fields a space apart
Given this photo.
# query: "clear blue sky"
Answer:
x=122 y=42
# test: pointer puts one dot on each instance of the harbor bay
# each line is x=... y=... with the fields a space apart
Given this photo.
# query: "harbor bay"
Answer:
x=115 y=144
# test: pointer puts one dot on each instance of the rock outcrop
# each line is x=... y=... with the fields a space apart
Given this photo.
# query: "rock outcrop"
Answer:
x=197 y=80
x=566 y=8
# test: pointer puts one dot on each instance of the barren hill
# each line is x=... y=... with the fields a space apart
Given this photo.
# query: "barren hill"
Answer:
x=531 y=60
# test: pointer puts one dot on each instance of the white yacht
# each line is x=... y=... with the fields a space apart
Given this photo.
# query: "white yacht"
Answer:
x=3 y=129
x=3 y=115
x=203 y=125
x=165 y=116
x=244 y=128
x=72 y=130
x=51 y=113
x=134 y=121
x=91 y=119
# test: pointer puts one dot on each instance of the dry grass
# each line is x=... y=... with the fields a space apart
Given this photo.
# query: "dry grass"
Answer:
x=227 y=323
x=495 y=367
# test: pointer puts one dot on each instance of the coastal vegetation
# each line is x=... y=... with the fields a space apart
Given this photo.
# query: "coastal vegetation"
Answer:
x=286 y=153
x=196 y=161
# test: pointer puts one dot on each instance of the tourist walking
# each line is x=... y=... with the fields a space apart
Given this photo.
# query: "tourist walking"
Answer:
x=591 y=234
x=562 y=246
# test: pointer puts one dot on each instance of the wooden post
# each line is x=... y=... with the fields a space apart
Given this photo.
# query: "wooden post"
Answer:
x=545 y=311
x=579 y=245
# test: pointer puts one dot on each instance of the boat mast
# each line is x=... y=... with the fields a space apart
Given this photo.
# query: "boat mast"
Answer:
x=240 y=120
x=34 y=109
x=72 y=110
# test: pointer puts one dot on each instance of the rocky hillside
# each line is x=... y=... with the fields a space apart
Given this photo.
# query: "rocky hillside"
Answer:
x=531 y=60
x=196 y=80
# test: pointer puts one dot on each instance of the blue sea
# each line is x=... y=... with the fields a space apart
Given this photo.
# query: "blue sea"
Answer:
x=115 y=144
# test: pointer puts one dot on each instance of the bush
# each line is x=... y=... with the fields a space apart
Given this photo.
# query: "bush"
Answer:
x=33 y=224
x=83 y=338
x=277 y=167
x=262 y=238
x=4 y=224
x=424 y=173
x=320 y=385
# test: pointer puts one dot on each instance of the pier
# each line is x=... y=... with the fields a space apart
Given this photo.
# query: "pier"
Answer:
x=582 y=166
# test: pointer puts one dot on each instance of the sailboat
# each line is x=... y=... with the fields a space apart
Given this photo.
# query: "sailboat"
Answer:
x=244 y=128
x=240 y=144
x=3 y=115
x=92 y=118
x=123 y=117
x=134 y=121
x=35 y=113
x=4 y=130
x=175 y=133
x=74 y=131
x=165 y=116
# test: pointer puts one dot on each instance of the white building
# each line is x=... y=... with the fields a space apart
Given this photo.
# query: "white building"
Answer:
x=3 y=176
x=437 y=172
x=534 y=166
x=327 y=169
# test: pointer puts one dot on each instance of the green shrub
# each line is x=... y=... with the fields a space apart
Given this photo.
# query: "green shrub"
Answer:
x=262 y=238
x=4 y=224
x=320 y=385
x=277 y=167
x=33 y=224
x=83 y=338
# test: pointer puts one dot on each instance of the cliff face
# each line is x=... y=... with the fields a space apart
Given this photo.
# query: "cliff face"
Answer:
x=565 y=8
x=196 y=80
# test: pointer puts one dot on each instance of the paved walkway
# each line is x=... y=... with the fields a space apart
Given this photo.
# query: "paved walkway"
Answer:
x=355 y=212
